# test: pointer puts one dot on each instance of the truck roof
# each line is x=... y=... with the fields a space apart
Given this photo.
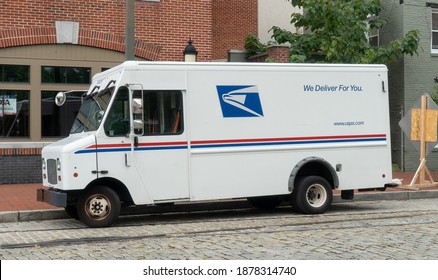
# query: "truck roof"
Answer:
x=139 y=65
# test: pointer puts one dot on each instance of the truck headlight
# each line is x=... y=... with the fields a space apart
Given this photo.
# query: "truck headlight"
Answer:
x=44 y=164
x=58 y=164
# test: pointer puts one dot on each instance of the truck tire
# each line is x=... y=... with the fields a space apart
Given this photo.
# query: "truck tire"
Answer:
x=72 y=211
x=99 y=207
x=312 y=195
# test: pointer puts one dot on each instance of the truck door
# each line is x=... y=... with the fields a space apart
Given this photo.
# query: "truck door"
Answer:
x=160 y=151
x=115 y=148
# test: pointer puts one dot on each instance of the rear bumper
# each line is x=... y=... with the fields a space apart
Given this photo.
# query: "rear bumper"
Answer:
x=52 y=197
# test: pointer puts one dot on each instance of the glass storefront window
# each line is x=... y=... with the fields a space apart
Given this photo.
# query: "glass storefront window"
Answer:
x=65 y=75
x=14 y=73
x=14 y=113
x=56 y=121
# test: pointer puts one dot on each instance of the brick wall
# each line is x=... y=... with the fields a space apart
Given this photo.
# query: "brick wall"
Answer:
x=419 y=72
x=166 y=25
x=162 y=28
x=275 y=53
x=233 y=21
x=20 y=166
x=171 y=23
x=411 y=76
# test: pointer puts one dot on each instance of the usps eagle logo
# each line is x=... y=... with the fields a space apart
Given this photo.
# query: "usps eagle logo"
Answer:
x=239 y=101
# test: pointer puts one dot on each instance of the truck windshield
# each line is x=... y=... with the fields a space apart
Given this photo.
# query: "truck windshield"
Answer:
x=92 y=111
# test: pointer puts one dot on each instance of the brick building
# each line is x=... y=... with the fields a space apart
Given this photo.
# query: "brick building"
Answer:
x=48 y=46
x=411 y=76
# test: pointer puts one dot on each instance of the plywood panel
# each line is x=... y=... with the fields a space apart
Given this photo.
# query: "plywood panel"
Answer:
x=431 y=125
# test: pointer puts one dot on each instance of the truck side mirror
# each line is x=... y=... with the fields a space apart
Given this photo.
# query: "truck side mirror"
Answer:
x=137 y=106
x=137 y=111
x=138 y=125
x=60 y=98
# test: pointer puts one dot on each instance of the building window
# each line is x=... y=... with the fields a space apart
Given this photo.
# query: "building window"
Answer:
x=14 y=113
x=435 y=31
x=56 y=121
x=65 y=75
x=374 y=37
x=373 y=34
x=14 y=73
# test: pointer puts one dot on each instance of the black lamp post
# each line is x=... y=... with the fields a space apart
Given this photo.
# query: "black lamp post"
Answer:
x=190 y=52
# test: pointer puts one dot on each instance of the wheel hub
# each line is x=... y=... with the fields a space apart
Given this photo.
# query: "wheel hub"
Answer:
x=98 y=207
x=316 y=195
x=311 y=195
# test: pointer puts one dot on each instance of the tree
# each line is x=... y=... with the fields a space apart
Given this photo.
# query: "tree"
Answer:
x=434 y=91
x=336 y=31
x=253 y=45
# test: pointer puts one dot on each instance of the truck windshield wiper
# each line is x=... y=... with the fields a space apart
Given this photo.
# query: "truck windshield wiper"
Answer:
x=93 y=92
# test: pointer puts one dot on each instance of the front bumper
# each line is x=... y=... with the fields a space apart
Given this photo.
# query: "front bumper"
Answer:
x=52 y=197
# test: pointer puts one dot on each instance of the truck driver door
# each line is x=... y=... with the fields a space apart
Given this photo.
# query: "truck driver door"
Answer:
x=160 y=143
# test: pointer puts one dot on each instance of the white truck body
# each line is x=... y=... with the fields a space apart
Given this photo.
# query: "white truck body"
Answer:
x=224 y=130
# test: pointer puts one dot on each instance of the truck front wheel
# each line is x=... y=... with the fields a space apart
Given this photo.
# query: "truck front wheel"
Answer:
x=312 y=195
x=99 y=207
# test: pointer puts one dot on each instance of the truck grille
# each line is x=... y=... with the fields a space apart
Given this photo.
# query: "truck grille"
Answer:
x=51 y=171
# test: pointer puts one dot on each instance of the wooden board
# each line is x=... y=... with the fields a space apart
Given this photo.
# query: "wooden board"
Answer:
x=417 y=187
x=431 y=127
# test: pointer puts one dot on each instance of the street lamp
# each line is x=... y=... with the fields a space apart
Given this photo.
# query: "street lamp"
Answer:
x=190 y=52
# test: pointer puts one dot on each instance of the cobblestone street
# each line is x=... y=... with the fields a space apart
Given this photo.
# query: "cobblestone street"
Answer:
x=374 y=230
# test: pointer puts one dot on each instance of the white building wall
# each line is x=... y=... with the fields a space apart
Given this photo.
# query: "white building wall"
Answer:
x=274 y=13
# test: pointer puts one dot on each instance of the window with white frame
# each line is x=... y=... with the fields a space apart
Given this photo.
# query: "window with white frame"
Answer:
x=434 y=31
x=374 y=37
x=373 y=33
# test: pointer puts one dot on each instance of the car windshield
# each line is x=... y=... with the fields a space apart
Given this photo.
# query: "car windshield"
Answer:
x=92 y=111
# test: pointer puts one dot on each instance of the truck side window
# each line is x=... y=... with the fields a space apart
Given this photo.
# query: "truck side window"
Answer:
x=162 y=112
x=117 y=122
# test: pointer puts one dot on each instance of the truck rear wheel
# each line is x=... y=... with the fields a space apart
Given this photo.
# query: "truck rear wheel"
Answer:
x=99 y=207
x=312 y=195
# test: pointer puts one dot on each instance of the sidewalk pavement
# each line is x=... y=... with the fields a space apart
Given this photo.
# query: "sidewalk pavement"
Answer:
x=18 y=202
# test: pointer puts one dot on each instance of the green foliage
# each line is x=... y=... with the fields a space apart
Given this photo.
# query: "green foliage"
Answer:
x=336 y=31
x=434 y=94
x=253 y=45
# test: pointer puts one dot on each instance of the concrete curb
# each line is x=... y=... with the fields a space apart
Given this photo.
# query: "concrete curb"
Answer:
x=391 y=195
x=52 y=214
x=32 y=215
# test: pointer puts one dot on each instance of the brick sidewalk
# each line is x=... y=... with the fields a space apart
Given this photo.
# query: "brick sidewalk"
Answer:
x=23 y=197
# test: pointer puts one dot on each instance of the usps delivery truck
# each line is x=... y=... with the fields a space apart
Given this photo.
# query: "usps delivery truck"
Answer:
x=149 y=133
